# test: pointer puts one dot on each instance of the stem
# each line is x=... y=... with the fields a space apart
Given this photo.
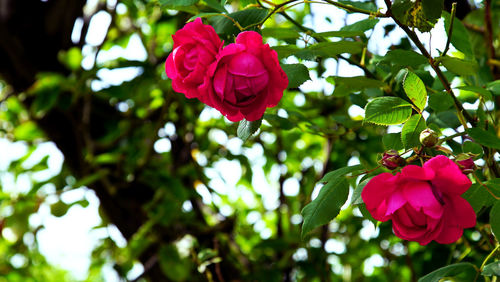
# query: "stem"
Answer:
x=448 y=138
x=489 y=29
x=486 y=260
x=450 y=29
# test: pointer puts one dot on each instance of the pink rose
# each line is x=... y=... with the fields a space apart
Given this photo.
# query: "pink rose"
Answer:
x=246 y=78
x=423 y=203
x=195 y=47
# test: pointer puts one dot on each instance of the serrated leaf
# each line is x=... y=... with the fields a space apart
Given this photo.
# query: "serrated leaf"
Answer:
x=367 y=5
x=495 y=219
x=494 y=87
x=411 y=131
x=330 y=49
x=279 y=122
x=472 y=147
x=216 y=5
x=247 y=128
x=387 y=111
x=297 y=74
x=405 y=58
x=440 y=101
x=432 y=8
x=415 y=90
x=347 y=85
x=340 y=172
x=362 y=25
x=479 y=197
x=280 y=33
x=247 y=19
x=464 y=270
x=356 y=194
x=178 y=3
x=460 y=37
x=492 y=269
x=285 y=51
x=392 y=141
x=326 y=206
x=340 y=33
x=459 y=66
x=485 y=138
x=479 y=90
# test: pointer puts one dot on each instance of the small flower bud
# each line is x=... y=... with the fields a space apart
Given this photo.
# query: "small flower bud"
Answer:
x=429 y=138
x=392 y=160
x=466 y=163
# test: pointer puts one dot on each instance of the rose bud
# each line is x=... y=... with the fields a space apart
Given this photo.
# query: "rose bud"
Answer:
x=392 y=160
x=429 y=138
x=246 y=79
x=466 y=163
x=196 y=46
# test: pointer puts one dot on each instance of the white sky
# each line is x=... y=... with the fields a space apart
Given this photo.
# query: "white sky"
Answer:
x=69 y=240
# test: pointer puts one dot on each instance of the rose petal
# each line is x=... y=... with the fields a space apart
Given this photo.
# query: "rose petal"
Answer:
x=420 y=196
x=449 y=235
x=449 y=178
x=377 y=191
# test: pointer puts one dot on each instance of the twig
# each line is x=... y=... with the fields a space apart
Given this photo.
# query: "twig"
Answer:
x=489 y=29
x=450 y=29
x=486 y=260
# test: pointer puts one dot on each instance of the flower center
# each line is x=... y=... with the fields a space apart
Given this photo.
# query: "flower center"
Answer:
x=437 y=194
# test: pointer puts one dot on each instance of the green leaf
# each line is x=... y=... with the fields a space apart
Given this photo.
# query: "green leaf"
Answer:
x=472 y=147
x=362 y=25
x=247 y=19
x=285 y=51
x=367 y=5
x=280 y=33
x=347 y=85
x=411 y=131
x=340 y=172
x=485 y=138
x=340 y=33
x=415 y=90
x=494 y=87
x=356 y=195
x=479 y=90
x=387 y=111
x=330 y=49
x=464 y=271
x=297 y=74
x=247 y=128
x=432 y=8
x=440 y=101
x=392 y=141
x=405 y=58
x=460 y=37
x=279 y=122
x=326 y=206
x=216 y=5
x=178 y=3
x=495 y=219
x=331 y=198
x=459 y=66
x=492 y=269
